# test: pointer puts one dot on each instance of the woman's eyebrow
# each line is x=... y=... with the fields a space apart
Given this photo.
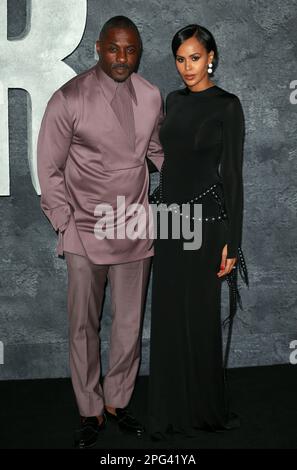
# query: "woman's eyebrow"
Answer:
x=195 y=53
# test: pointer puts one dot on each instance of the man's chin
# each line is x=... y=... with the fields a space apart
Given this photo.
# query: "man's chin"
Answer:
x=121 y=76
x=120 y=80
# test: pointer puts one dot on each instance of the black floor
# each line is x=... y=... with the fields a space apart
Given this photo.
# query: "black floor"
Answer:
x=41 y=414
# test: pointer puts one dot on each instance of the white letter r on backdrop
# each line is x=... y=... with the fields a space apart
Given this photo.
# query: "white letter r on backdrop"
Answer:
x=34 y=63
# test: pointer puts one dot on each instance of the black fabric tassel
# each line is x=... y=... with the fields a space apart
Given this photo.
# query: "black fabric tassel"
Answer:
x=234 y=299
x=234 y=294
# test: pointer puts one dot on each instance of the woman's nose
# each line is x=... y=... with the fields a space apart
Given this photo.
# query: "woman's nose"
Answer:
x=187 y=65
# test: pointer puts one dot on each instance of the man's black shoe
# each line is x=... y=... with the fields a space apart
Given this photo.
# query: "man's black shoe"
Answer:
x=86 y=437
x=126 y=421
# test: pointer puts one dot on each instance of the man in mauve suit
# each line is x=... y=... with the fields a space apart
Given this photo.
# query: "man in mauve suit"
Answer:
x=95 y=135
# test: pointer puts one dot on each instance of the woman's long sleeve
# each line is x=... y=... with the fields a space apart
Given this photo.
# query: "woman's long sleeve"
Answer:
x=231 y=173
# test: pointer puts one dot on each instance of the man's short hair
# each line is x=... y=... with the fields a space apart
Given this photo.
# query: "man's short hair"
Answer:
x=119 y=22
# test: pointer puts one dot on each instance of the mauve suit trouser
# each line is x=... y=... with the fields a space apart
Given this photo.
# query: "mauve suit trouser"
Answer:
x=86 y=285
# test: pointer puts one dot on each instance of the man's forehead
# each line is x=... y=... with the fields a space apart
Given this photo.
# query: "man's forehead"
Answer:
x=127 y=35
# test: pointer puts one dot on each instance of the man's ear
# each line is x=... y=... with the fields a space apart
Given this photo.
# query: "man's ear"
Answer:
x=98 y=46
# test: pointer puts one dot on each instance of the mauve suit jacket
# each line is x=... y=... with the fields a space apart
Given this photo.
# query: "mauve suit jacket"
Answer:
x=84 y=158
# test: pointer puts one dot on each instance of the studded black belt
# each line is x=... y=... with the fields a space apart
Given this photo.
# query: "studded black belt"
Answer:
x=232 y=278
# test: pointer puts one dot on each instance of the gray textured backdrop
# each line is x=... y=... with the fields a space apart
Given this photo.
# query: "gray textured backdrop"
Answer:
x=257 y=45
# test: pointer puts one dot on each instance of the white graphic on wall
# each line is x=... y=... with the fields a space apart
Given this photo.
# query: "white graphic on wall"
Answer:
x=33 y=62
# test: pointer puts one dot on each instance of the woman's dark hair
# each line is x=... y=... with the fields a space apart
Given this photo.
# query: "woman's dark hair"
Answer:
x=202 y=35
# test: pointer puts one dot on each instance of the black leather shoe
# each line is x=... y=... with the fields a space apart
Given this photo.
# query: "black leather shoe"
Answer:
x=126 y=421
x=86 y=437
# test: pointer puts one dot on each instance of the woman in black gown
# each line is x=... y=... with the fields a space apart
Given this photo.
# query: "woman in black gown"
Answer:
x=202 y=136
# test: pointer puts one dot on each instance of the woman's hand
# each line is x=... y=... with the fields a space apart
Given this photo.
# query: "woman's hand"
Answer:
x=227 y=264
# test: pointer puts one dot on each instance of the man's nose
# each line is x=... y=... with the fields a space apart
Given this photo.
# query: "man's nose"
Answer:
x=122 y=57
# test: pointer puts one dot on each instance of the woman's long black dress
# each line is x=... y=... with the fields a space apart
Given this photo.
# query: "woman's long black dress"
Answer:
x=202 y=136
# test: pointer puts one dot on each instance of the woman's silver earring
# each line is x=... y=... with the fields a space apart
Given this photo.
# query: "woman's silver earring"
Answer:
x=209 y=68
